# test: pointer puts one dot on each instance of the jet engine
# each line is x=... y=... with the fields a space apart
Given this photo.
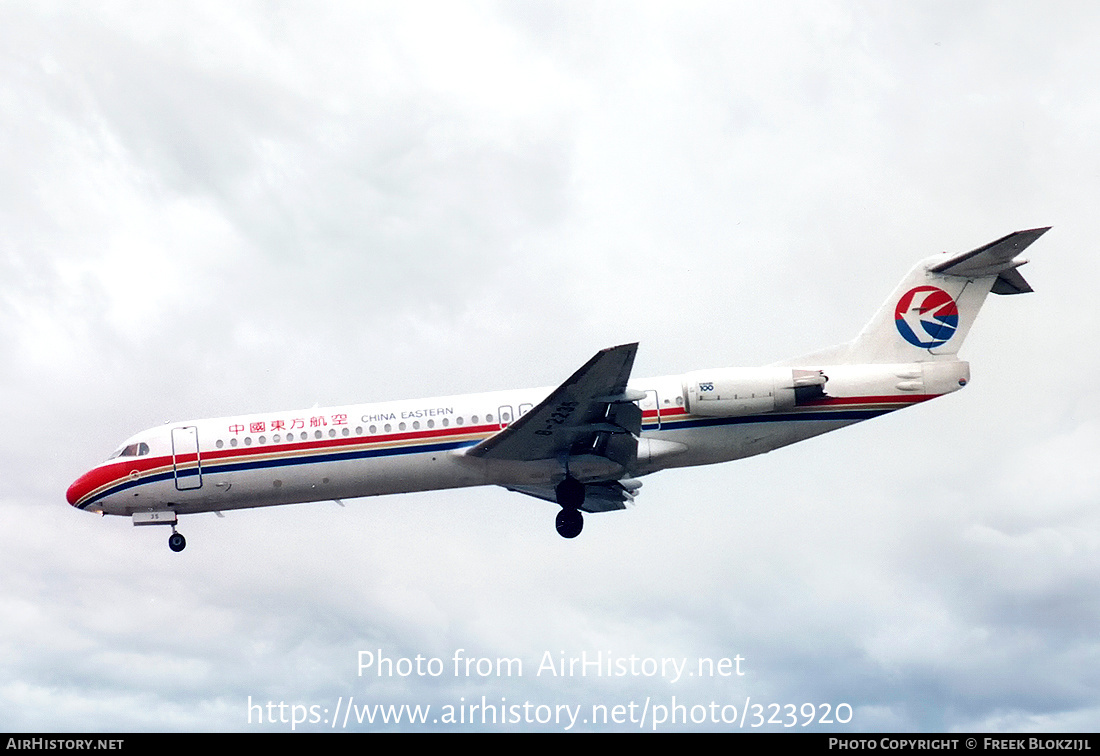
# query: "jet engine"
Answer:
x=729 y=392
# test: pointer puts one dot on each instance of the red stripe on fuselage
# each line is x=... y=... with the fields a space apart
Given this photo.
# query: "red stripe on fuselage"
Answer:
x=331 y=443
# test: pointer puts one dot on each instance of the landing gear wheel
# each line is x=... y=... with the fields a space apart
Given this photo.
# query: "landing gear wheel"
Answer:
x=176 y=541
x=569 y=523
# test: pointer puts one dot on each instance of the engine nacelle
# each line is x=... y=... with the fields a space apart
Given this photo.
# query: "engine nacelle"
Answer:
x=729 y=392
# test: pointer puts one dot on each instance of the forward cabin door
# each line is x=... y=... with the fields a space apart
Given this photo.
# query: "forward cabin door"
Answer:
x=186 y=465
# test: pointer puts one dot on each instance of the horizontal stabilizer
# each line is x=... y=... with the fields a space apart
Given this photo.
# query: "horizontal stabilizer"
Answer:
x=994 y=259
x=1011 y=282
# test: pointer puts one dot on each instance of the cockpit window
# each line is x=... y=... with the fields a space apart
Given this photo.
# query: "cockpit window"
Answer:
x=132 y=450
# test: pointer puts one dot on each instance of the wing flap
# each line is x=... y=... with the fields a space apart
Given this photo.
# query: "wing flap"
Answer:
x=606 y=496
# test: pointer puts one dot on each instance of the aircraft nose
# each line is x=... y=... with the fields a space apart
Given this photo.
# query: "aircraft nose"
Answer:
x=78 y=489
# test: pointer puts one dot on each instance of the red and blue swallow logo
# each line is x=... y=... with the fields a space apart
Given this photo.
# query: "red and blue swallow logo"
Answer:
x=926 y=316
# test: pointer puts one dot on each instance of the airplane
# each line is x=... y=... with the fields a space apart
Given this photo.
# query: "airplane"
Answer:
x=582 y=445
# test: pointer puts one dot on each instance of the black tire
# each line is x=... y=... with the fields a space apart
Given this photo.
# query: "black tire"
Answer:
x=176 y=542
x=569 y=523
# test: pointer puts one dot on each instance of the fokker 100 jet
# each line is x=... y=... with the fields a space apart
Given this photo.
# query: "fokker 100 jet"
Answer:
x=582 y=445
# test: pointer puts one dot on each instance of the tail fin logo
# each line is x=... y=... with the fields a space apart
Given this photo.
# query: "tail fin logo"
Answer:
x=926 y=316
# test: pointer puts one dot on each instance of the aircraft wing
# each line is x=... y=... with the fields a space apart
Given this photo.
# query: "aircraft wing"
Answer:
x=591 y=413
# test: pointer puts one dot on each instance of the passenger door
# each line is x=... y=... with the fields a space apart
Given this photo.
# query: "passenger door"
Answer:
x=186 y=464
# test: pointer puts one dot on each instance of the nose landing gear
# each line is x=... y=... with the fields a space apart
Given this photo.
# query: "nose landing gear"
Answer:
x=176 y=542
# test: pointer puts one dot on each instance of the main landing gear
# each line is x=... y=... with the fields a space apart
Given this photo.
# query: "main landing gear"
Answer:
x=570 y=495
x=176 y=541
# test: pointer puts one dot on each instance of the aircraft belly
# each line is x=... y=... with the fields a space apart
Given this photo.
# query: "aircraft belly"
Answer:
x=274 y=485
x=723 y=443
x=348 y=479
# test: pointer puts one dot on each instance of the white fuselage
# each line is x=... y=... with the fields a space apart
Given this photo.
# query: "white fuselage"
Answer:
x=418 y=445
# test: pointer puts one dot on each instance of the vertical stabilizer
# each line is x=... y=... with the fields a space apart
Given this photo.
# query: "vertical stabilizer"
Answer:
x=931 y=311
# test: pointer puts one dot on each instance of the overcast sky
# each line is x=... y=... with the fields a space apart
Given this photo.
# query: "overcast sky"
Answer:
x=211 y=208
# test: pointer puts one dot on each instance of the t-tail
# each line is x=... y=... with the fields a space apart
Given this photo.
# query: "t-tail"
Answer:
x=928 y=316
